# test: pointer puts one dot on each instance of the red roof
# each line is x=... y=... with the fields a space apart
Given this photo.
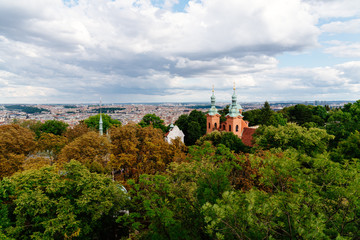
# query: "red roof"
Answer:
x=247 y=136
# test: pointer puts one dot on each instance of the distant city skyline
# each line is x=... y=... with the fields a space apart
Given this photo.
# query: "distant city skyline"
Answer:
x=138 y=51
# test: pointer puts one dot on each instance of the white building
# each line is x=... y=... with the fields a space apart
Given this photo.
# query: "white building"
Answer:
x=173 y=133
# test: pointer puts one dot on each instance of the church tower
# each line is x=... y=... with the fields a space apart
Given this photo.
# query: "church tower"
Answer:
x=101 y=132
x=234 y=119
x=213 y=117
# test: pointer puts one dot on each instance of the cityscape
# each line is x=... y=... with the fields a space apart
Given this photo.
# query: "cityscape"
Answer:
x=125 y=113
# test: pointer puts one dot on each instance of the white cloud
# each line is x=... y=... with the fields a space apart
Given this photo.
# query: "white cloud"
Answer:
x=344 y=49
x=352 y=26
x=335 y=8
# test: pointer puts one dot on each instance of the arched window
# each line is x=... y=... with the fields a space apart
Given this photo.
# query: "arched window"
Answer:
x=237 y=128
x=215 y=125
x=229 y=128
x=209 y=125
x=224 y=127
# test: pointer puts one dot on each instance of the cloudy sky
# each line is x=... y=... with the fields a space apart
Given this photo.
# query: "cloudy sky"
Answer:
x=76 y=51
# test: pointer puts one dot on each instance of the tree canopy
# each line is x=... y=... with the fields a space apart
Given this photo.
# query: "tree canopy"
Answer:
x=54 y=127
x=192 y=125
x=15 y=144
x=155 y=121
x=297 y=182
x=310 y=141
x=53 y=204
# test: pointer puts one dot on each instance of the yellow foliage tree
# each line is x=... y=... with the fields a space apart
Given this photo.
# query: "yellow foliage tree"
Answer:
x=15 y=144
x=51 y=144
x=36 y=163
x=90 y=149
x=75 y=132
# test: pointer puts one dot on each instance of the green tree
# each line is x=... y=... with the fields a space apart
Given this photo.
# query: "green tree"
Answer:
x=310 y=141
x=253 y=117
x=54 y=127
x=277 y=119
x=306 y=114
x=93 y=122
x=342 y=122
x=229 y=139
x=265 y=114
x=53 y=204
x=193 y=126
x=155 y=121
x=348 y=148
x=311 y=198
x=168 y=206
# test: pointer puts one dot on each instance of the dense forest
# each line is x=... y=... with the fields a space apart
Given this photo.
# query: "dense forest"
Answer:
x=300 y=180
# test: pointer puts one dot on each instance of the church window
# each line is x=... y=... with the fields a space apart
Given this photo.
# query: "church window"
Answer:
x=215 y=125
x=229 y=128
x=224 y=127
x=237 y=128
x=209 y=125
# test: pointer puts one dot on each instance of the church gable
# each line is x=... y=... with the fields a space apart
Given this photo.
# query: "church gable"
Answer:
x=174 y=133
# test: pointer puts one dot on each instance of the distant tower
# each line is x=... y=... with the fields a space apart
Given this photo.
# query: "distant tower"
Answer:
x=101 y=132
x=213 y=117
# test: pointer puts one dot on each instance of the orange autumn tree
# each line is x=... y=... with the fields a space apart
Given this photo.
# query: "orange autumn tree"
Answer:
x=16 y=143
x=90 y=149
x=138 y=150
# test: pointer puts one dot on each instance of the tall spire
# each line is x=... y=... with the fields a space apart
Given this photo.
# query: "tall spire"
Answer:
x=101 y=132
x=213 y=110
x=234 y=108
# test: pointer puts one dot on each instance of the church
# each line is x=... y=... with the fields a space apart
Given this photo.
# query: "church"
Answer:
x=234 y=121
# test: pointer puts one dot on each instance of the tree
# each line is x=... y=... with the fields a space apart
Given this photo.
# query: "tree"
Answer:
x=51 y=144
x=93 y=122
x=253 y=117
x=299 y=114
x=53 y=204
x=193 y=126
x=342 y=122
x=229 y=139
x=33 y=125
x=16 y=143
x=91 y=150
x=138 y=150
x=54 y=126
x=310 y=141
x=265 y=114
x=310 y=198
x=194 y=132
x=77 y=131
x=348 y=149
x=155 y=121
x=277 y=119
x=168 y=206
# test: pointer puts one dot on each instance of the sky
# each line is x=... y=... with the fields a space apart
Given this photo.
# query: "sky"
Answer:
x=76 y=51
